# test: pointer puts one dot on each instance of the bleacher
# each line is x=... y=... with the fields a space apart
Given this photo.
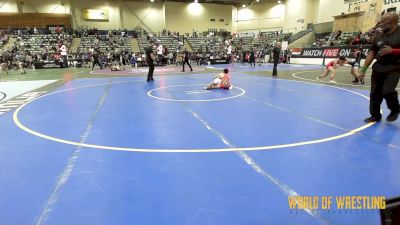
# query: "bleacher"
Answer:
x=210 y=43
x=36 y=43
x=169 y=42
x=261 y=41
x=328 y=39
x=243 y=43
x=268 y=39
x=103 y=43
x=201 y=43
x=344 y=37
x=325 y=35
x=299 y=35
x=3 y=40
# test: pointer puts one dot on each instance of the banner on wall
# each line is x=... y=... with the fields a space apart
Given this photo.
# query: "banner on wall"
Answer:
x=391 y=6
x=385 y=2
x=328 y=52
x=95 y=14
x=388 y=2
x=285 y=45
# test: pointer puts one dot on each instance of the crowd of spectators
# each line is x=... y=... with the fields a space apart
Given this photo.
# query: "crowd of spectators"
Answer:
x=114 y=46
x=4 y=37
x=340 y=38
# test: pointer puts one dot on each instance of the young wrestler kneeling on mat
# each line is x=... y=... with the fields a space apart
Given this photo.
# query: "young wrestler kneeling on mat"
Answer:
x=331 y=68
x=115 y=66
x=222 y=80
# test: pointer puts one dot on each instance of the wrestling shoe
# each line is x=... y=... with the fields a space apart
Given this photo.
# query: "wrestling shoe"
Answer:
x=392 y=117
x=372 y=119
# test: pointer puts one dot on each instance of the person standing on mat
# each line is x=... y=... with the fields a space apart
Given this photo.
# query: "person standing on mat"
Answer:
x=358 y=56
x=252 y=59
x=96 y=60
x=276 y=52
x=186 y=60
x=150 y=61
x=386 y=69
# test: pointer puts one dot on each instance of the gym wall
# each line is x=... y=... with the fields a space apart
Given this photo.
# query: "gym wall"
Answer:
x=188 y=17
x=327 y=9
x=257 y=17
x=290 y=16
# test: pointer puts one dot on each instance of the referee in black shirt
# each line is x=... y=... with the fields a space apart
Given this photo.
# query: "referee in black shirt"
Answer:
x=276 y=52
x=150 y=61
x=252 y=58
x=96 y=60
x=186 y=60
x=386 y=70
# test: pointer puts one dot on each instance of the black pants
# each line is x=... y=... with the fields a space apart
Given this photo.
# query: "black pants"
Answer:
x=96 y=62
x=186 y=61
x=275 y=70
x=160 y=60
x=151 y=70
x=252 y=62
x=383 y=86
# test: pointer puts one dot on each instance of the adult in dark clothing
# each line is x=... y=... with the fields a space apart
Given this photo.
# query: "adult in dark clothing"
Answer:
x=252 y=58
x=186 y=60
x=386 y=70
x=96 y=60
x=276 y=52
x=150 y=62
x=338 y=34
x=358 y=56
x=244 y=57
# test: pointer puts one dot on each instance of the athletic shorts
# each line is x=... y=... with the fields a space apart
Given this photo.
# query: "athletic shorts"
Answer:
x=355 y=65
x=217 y=81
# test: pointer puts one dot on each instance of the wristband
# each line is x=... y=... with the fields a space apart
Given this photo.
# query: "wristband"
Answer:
x=396 y=51
x=364 y=69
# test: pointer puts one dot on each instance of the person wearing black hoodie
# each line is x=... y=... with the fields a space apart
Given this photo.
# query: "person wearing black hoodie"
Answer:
x=186 y=60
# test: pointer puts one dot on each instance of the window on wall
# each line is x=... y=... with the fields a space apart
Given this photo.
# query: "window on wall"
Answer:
x=221 y=20
x=212 y=20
